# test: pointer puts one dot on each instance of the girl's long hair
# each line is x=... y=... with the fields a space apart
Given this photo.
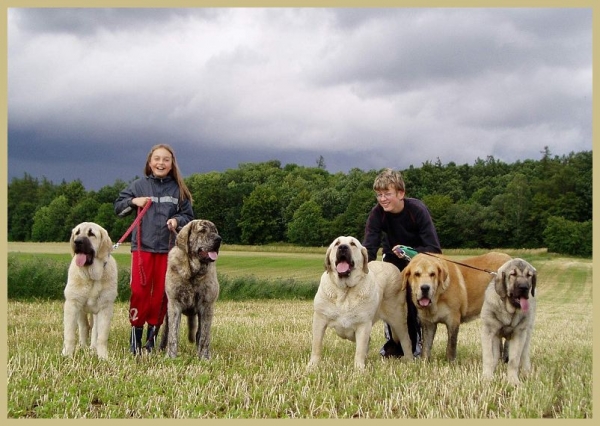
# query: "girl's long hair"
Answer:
x=185 y=193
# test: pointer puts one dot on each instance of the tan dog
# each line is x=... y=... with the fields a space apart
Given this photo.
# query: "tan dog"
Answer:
x=191 y=285
x=353 y=295
x=91 y=289
x=508 y=312
x=449 y=293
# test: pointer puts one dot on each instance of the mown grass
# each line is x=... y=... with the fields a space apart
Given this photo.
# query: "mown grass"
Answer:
x=260 y=350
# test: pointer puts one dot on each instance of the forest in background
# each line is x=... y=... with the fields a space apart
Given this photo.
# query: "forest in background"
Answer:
x=544 y=203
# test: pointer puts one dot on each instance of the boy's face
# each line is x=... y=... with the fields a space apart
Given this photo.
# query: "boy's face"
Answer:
x=390 y=199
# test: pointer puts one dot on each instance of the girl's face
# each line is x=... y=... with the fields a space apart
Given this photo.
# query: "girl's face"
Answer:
x=391 y=199
x=161 y=162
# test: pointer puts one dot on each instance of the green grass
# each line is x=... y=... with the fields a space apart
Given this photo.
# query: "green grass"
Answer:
x=260 y=349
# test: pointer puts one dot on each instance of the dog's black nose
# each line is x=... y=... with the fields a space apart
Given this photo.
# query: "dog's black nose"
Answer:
x=425 y=289
x=217 y=241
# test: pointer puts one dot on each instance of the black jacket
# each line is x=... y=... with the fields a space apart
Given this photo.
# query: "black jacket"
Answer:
x=166 y=204
x=412 y=227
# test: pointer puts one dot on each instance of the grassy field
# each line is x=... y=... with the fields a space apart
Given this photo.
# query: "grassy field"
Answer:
x=260 y=350
x=272 y=262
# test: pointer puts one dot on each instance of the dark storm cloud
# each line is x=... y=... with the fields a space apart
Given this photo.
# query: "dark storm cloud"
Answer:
x=91 y=90
x=437 y=46
x=88 y=21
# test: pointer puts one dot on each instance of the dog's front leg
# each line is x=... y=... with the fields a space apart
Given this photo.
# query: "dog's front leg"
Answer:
x=363 y=334
x=205 y=318
x=70 y=328
x=94 y=330
x=319 y=327
x=490 y=351
x=452 y=327
x=84 y=328
x=100 y=330
x=174 y=315
x=515 y=351
x=525 y=360
x=429 y=329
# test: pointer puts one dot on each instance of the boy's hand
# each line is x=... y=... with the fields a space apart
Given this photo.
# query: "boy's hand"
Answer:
x=404 y=252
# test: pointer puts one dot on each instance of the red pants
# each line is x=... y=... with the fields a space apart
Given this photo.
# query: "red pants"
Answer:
x=148 y=302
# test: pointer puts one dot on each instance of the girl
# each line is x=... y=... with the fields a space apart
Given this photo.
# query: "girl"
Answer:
x=170 y=209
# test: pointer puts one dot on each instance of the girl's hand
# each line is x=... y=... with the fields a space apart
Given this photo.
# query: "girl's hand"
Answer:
x=172 y=224
x=140 y=201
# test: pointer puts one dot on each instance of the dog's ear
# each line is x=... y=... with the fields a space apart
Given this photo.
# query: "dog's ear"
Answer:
x=105 y=244
x=365 y=256
x=182 y=238
x=443 y=276
x=533 y=282
x=327 y=261
x=500 y=283
x=72 y=239
x=405 y=277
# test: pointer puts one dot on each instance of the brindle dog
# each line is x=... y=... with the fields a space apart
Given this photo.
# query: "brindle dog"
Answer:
x=191 y=285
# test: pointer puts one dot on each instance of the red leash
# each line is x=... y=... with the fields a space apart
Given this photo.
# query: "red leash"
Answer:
x=137 y=222
x=141 y=213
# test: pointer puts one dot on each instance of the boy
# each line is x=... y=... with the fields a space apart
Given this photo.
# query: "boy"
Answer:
x=397 y=220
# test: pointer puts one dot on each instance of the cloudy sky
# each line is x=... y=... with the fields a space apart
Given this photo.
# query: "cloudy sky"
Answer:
x=91 y=90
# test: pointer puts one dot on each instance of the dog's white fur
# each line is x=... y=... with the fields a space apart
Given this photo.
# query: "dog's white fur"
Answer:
x=352 y=300
x=508 y=313
x=91 y=289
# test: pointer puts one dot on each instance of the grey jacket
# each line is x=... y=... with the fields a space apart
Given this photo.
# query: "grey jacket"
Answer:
x=156 y=237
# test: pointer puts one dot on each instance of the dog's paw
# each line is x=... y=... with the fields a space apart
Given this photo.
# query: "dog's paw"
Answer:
x=68 y=351
x=513 y=379
x=359 y=366
x=312 y=364
x=102 y=352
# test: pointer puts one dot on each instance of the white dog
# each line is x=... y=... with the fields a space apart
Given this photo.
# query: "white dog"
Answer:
x=91 y=289
x=508 y=313
x=353 y=295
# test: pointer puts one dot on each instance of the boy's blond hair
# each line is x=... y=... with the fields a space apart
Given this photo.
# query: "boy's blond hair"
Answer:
x=389 y=178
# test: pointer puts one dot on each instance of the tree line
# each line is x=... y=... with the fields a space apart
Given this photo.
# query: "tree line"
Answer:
x=489 y=204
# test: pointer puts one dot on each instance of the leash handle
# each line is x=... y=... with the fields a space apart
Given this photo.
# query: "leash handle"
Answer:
x=135 y=222
x=404 y=252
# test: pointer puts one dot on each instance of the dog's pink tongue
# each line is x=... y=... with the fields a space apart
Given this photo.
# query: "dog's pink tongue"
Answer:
x=524 y=304
x=342 y=267
x=80 y=259
x=213 y=255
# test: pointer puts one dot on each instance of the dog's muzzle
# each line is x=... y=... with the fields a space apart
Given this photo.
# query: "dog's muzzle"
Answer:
x=211 y=254
x=84 y=252
x=520 y=296
x=424 y=300
x=343 y=261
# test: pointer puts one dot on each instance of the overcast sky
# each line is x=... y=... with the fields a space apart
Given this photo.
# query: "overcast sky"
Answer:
x=91 y=90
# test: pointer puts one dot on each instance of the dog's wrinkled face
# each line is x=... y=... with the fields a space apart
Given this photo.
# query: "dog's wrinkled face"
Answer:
x=200 y=238
x=344 y=255
x=88 y=241
x=426 y=277
x=516 y=281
